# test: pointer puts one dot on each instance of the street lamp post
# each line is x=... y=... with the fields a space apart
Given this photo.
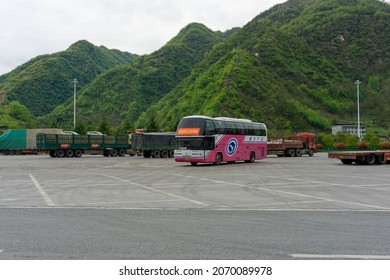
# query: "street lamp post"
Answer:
x=74 y=103
x=358 y=106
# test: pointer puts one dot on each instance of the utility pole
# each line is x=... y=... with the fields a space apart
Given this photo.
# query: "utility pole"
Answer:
x=358 y=106
x=74 y=103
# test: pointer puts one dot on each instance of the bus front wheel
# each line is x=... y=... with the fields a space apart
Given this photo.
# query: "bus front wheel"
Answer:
x=218 y=159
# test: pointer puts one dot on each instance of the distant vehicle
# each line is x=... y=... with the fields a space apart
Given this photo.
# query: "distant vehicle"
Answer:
x=94 y=133
x=70 y=133
x=23 y=141
x=294 y=146
x=60 y=145
x=362 y=157
x=153 y=144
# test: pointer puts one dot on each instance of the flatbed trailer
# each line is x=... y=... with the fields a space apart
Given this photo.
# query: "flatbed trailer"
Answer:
x=362 y=157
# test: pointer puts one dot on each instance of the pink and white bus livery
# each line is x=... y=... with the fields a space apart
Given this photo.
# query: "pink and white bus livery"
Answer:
x=202 y=139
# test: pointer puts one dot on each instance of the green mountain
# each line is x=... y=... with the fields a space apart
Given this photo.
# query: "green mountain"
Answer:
x=121 y=94
x=293 y=67
x=46 y=81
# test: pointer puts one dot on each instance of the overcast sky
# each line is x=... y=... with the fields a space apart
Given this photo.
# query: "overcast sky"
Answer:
x=33 y=27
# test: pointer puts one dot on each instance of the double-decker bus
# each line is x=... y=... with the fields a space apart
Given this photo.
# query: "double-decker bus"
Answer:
x=203 y=139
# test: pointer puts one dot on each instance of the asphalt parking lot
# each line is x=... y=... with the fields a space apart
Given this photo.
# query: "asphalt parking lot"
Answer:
x=316 y=183
x=115 y=208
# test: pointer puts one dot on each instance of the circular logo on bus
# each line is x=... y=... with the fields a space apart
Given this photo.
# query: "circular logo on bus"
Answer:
x=231 y=146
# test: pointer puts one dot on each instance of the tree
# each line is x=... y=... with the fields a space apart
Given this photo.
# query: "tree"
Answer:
x=152 y=125
x=80 y=128
x=104 y=127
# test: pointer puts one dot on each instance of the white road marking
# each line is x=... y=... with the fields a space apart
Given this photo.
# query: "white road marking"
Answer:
x=335 y=256
x=156 y=190
x=45 y=196
x=286 y=192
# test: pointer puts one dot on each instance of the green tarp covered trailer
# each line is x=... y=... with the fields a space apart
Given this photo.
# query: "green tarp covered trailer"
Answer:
x=22 y=141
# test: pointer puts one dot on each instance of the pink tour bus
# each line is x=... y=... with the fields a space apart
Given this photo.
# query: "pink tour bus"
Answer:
x=202 y=139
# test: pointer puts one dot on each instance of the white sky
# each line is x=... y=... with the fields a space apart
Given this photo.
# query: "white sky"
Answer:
x=29 y=28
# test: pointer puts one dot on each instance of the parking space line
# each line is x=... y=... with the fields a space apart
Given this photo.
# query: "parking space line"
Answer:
x=289 y=193
x=45 y=196
x=156 y=190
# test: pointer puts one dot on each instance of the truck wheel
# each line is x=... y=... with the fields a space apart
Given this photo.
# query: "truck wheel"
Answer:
x=380 y=159
x=311 y=152
x=78 y=153
x=370 y=159
x=156 y=154
x=114 y=152
x=147 y=154
x=218 y=159
x=298 y=153
x=69 y=153
x=164 y=153
x=171 y=153
x=53 y=153
x=291 y=153
x=122 y=152
x=60 y=153
x=347 y=161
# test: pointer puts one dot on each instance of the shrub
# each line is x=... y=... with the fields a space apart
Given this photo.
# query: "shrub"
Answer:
x=363 y=145
x=386 y=145
x=341 y=146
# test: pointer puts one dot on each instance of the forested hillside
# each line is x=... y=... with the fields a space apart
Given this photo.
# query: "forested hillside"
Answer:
x=46 y=81
x=293 y=67
x=121 y=94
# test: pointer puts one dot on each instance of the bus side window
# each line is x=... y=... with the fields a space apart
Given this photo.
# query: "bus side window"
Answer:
x=231 y=128
x=240 y=128
x=210 y=128
x=220 y=127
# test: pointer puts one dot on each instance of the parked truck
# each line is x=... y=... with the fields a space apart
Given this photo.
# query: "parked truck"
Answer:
x=154 y=144
x=22 y=141
x=294 y=146
x=362 y=157
x=63 y=145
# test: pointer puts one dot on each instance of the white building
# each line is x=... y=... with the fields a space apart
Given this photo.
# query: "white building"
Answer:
x=348 y=129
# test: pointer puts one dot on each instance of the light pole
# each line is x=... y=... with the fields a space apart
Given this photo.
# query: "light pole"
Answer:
x=358 y=106
x=74 y=103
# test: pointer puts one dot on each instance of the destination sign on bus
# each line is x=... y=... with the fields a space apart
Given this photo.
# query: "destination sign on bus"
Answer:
x=188 y=131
